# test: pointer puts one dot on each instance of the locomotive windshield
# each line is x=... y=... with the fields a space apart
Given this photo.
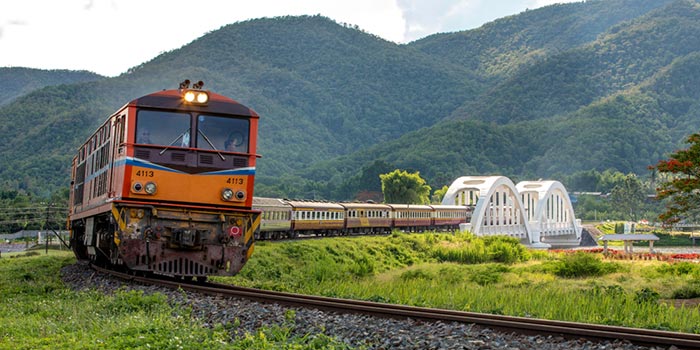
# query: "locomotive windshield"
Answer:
x=163 y=128
x=172 y=129
x=222 y=133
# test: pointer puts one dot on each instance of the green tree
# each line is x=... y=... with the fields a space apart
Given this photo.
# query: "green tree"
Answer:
x=399 y=186
x=628 y=196
x=683 y=189
x=439 y=194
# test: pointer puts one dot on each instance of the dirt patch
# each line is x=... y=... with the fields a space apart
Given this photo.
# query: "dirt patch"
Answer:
x=687 y=303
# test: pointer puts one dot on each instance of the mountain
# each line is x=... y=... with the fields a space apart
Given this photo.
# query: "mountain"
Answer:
x=18 y=81
x=319 y=83
x=624 y=56
x=500 y=48
x=564 y=88
x=620 y=102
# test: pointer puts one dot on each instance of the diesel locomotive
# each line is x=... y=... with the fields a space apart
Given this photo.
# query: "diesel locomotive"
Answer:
x=165 y=186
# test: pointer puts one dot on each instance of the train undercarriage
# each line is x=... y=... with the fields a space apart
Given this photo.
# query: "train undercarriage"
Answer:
x=171 y=241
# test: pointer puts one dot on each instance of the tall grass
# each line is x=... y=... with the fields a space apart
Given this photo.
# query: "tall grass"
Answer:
x=493 y=275
x=38 y=312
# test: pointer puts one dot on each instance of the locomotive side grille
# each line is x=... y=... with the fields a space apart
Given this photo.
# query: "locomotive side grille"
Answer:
x=178 y=157
x=143 y=153
x=240 y=162
x=206 y=159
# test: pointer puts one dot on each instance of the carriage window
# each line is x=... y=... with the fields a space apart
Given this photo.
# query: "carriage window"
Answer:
x=163 y=128
x=222 y=133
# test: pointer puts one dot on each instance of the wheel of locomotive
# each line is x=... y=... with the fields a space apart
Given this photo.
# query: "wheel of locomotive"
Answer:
x=105 y=248
x=76 y=242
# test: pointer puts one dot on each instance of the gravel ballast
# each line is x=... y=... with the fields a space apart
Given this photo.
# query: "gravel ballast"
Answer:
x=352 y=329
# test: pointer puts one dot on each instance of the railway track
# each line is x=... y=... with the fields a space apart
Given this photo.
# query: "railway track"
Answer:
x=522 y=325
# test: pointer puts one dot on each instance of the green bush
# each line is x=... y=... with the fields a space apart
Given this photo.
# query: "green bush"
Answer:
x=582 y=264
x=505 y=249
x=472 y=253
x=480 y=250
x=484 y=275
x=363 y=267
x=646 y=296
x=679 y=269
x=688 y=291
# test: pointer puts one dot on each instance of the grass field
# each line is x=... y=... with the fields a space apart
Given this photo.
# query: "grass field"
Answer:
x=493 y=275
x=462 y=272
x=39 y=312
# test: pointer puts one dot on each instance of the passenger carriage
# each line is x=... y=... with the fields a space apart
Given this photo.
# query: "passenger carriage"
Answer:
x=448 y=217
x=367 y=218
x=276 y=216
x=319 y=218
x=411 y=217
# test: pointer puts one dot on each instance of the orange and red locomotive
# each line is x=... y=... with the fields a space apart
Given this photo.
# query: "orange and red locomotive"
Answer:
x=165 y=185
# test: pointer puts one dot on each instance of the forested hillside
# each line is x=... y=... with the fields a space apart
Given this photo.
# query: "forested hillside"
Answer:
x=19 y=81
x=590 y=107
x=502 y=47
x=565 y=88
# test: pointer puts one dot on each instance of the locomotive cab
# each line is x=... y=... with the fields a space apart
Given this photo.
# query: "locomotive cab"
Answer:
x=166 y=185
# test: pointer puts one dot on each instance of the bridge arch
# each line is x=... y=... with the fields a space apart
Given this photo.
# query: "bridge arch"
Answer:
x=497 y=206
x=550 y=212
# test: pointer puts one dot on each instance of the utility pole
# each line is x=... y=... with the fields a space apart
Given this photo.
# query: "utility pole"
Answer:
x=46 y=238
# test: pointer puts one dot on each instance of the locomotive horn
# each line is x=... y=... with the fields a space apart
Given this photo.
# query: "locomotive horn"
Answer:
x=198 y=85
x=185 y=84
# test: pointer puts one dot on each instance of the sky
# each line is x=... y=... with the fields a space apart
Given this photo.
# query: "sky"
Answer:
x=110 y=36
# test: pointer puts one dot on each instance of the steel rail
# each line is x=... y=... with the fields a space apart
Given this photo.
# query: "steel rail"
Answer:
x=526 y=325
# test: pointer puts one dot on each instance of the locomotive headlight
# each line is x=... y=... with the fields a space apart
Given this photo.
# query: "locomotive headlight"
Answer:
x=150 y=187
x=196 y=97
x=227 y=194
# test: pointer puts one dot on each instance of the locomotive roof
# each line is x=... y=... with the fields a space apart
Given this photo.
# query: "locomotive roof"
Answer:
x=172 y=99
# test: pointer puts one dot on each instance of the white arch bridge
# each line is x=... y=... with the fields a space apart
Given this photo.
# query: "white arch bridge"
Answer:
x=538 y=212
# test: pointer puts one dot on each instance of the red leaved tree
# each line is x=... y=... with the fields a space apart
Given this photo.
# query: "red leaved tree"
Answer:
x=683 y=189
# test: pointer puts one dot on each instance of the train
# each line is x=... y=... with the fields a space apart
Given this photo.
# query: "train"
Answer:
x=285 y=218
x=165 y=186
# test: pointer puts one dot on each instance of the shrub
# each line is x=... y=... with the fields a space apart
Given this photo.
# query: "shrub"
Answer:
x=488 y=274
x=646 y=296
x=688 y=291
x=679 y=269
x=471 y=253
x=505 y=249
x=581 y=264
x=363 y=267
